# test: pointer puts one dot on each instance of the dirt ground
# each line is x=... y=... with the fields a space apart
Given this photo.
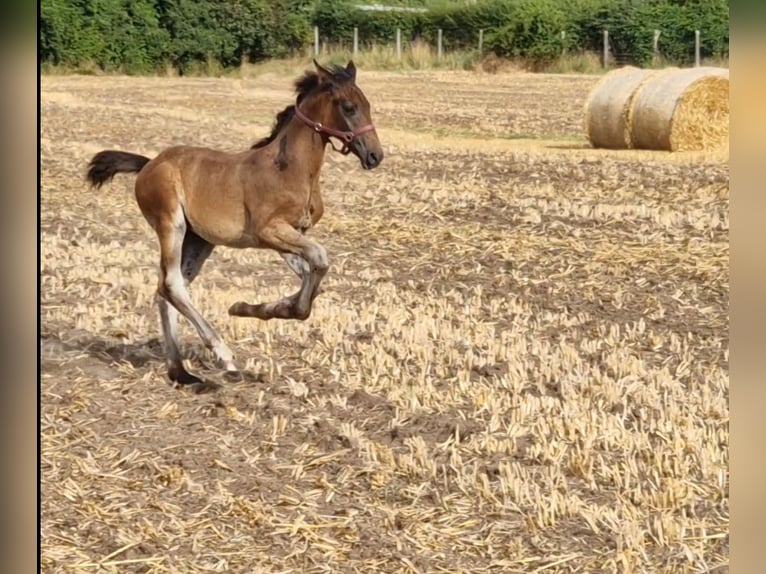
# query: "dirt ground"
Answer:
x=519 y=362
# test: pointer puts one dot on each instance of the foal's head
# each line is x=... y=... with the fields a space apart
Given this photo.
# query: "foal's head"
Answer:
x=342 y=111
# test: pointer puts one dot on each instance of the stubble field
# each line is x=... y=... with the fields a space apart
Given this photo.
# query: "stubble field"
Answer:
x=519 y=362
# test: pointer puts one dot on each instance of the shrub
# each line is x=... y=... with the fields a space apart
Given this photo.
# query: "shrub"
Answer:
x=141 y=35
x=533 y=31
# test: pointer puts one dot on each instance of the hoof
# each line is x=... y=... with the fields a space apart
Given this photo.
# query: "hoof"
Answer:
x=233 y=376
x=184 y=379
x=181 y=376
x=240 y=309
x=202 y=387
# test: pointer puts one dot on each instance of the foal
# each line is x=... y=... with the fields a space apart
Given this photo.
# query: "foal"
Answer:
x=266 y=197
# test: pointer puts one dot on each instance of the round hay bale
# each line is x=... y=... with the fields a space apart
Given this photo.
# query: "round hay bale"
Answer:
x=682 y=110
x=607 y=107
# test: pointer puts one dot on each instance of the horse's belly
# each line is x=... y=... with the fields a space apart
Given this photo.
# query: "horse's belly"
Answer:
x=221 y=228
x=227 y=237
x=243 y=241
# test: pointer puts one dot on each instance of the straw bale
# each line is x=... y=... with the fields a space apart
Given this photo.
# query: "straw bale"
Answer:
x=608 y=104
x=682 y=110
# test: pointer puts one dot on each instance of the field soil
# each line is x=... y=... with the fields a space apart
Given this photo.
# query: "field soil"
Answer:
x=518 y=362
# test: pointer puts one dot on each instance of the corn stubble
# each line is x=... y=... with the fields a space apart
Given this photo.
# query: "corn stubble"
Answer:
x=519 y=362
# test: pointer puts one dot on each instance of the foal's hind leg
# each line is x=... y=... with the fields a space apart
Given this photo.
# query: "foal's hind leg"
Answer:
x=172 y=288
x=195 y=252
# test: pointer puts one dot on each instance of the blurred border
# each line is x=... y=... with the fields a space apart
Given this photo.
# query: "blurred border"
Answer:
x=20 y=203
x=19 y=230
x=747 y=285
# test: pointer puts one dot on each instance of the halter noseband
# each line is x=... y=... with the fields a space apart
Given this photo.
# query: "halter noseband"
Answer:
x=345 y=136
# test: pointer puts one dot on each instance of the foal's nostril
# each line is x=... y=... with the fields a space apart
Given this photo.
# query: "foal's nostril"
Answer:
x=373 y=159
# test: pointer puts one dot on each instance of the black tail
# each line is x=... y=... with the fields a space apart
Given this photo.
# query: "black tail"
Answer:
x=108 y=163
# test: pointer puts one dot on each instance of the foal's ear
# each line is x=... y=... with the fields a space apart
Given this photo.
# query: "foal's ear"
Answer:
x=351 y=69
x=323 y=74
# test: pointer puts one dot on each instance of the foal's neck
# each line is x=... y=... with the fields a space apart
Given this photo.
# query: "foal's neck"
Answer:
x=301 y=147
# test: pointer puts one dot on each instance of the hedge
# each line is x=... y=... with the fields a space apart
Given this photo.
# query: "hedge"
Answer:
x=143 y=35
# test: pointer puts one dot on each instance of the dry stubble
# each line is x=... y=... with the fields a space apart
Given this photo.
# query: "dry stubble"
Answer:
x=519 y=362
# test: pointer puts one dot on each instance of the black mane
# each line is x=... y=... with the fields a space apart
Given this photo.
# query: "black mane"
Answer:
x=304 y=85
x=282 y=118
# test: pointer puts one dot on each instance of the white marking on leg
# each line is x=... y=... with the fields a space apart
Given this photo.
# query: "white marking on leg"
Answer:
x=224 y=354
x=316 y=255
x=179 y=297
x=169 y=320
x=297 y=263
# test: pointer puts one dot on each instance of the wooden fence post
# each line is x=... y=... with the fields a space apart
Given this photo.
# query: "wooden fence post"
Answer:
x=316 y=40
x=606 y=48
x=439 y=44
x=656 y=47
x=696 y=48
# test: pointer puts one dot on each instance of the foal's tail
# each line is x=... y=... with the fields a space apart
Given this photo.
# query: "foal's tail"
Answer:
x=108 y=163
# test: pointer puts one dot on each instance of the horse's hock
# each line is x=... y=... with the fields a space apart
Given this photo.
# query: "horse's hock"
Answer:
x=671 y=109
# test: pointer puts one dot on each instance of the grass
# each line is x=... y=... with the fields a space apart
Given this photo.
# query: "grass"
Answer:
x=381 y=57
x=418 y=56
x=519 y=361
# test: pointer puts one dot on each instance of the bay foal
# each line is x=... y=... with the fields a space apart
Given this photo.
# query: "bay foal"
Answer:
x=266 y=197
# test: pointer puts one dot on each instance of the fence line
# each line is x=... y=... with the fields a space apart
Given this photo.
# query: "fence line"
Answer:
x=607 y=56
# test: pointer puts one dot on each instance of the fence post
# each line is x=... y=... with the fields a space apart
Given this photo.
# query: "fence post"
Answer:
x=696 y=48
x=606 y=48
x=439 y=44
x=481 y=41
x=563 y=42
x=398 y=43
x=656 y=46
x=316 y=40
x=356 y=40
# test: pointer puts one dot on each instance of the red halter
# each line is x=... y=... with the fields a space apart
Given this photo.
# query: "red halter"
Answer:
x=345 y=136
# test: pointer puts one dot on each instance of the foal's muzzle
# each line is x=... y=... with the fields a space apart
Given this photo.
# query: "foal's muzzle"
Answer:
x=372 y=159
x=368 y=150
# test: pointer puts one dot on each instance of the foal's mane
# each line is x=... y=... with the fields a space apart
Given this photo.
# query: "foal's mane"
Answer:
x=304 y=86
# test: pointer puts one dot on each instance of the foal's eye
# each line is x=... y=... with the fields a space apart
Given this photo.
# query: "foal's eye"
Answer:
x=348 y=107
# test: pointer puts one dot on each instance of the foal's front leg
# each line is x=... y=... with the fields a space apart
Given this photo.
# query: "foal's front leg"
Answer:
x=307 y=258
x=297 y=263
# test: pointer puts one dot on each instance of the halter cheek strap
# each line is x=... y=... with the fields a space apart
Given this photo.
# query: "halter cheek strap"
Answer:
x=345 y=136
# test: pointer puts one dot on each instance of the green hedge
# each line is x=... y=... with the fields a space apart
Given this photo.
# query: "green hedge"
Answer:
x=631 y=26
x=143 y=35
x=113 y=34
x=531 y=29
x=460 y=25
x=336 y=20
